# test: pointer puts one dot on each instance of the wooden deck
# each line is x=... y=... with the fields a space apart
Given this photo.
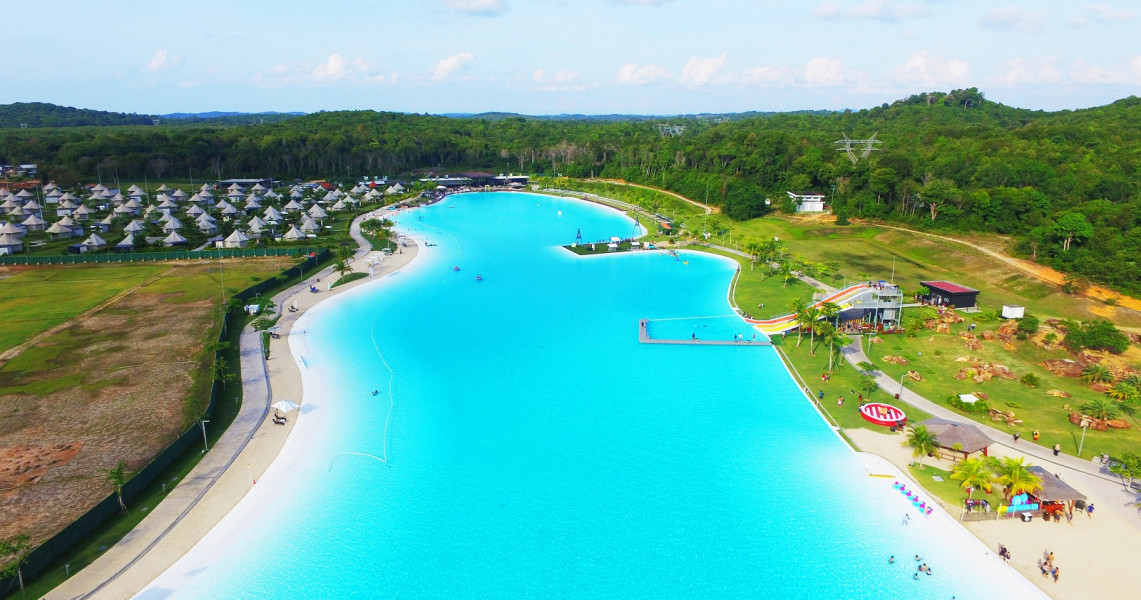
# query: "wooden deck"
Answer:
x=644 y=338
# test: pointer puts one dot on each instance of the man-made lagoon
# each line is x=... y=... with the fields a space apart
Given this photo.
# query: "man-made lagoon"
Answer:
x=522 y=443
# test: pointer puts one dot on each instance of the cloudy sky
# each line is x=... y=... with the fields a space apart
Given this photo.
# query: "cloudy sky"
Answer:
x=563 y=56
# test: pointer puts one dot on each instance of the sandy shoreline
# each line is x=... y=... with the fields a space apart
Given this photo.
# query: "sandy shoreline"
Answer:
x=244 y=454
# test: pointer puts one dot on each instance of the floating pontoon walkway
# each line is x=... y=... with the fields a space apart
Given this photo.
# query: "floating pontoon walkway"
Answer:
x=644 y=337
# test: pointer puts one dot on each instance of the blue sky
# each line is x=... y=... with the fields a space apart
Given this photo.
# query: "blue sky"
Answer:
x=564 y=56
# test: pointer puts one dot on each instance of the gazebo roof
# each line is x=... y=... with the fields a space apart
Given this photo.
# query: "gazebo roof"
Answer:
x=949 y=433
x=1053 y=488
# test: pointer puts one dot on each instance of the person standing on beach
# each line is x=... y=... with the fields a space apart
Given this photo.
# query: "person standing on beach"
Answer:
x=1089 y=510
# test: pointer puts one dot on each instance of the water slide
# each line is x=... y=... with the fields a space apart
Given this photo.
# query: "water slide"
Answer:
x=844 y=299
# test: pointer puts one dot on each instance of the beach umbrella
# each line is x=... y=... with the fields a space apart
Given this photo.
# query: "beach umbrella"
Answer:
x=284 y=406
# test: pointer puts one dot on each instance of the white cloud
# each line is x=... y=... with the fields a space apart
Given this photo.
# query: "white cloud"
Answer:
x=483 y=8
x=886 y=11
x=1087 y=74
x=446 y=67
x=1102 y=13
x=162 y=61
x=768 y=75
x=1023 y=71
x=560 y=76
x=1014 y=18
x=702 y=71
x=334 y=69
x=824 y=72
x=933 y=71
x=631 y=73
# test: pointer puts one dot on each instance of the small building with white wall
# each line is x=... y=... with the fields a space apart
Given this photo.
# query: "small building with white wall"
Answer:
x=807 y=201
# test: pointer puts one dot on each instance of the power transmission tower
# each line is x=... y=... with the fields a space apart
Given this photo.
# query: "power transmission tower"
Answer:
x=864 y=148
x=667 y=130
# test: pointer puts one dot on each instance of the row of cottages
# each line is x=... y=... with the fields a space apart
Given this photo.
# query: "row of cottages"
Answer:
x=300 y=218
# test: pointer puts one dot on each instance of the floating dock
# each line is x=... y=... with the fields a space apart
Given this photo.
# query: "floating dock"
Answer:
x=644 y=338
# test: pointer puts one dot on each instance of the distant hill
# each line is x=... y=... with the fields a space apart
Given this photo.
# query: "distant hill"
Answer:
x=628 y=118
x=231 y=118
x=42 y=114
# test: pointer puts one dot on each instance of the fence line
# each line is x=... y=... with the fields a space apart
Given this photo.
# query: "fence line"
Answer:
x=126 y=257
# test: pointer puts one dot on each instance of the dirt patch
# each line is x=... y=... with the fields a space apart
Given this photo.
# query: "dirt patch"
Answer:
x=114 y=385
x=24 y=465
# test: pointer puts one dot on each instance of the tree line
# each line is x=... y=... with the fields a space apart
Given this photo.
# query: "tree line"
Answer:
x=1064 y=184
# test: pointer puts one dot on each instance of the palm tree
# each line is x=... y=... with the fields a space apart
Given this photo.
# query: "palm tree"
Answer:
x=1016 y=478
x=342 y=267
x=1101 y=407
x=1123 y=392
x=811 y=315
x=785 y=273
x=1097 y=373
x=921 y=441
x=836 y=342
x=822 y=329
x=796 y=306
x=974 y=473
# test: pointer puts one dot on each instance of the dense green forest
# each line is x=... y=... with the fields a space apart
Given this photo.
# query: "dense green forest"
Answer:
x=1064 y=183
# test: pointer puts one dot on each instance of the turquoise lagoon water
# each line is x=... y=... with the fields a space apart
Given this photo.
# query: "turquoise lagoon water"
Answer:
x=535 y=449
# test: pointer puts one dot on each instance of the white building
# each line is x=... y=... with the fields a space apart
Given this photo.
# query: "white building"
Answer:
x=808 y=201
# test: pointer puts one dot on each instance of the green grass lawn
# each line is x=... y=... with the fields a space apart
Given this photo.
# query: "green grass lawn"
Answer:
x=949 y=490
x=933 y=356
x=36 y=299
x=844 y=382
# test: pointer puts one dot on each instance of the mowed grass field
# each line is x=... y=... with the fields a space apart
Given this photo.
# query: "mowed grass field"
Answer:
x=117 y=381
x=35 y=299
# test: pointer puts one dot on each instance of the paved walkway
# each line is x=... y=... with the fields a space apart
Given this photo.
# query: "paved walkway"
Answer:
x=212 y=488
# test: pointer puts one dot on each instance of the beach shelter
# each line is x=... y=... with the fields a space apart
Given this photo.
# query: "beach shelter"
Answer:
x=259 y=188
x=394 y=189
x=134 y=227
x=205 y=188
x=8 y=204
x=82 y=213
x=172 y=225
x=292 y=206
x=32 y=205
x=127 y=245
x=23 y=194
x=957 y=440
x=173 y=239
x=122 y=210
x=308 y=225
x=134 y=189
x=293 y=235
x=252 y=203
x=33 y=223
x=206 y=225
x=270 y=213
x=339 y=206
x=10 y=244
x=163 y=188
x=51 y=186
x=68 y=222
x=237 y=239
x=105 y=224
x=58 y=231
x=195 y=210
x=94 y=242
x=178 y=195
x=317 y=212
x=10 y=229
x=17 y=212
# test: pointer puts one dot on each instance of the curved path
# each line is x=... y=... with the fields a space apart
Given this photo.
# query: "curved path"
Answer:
x=1039 y=272
x=708 y=209
x=212 y=488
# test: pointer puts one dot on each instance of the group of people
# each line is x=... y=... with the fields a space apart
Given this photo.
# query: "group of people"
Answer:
x=1048 y=567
